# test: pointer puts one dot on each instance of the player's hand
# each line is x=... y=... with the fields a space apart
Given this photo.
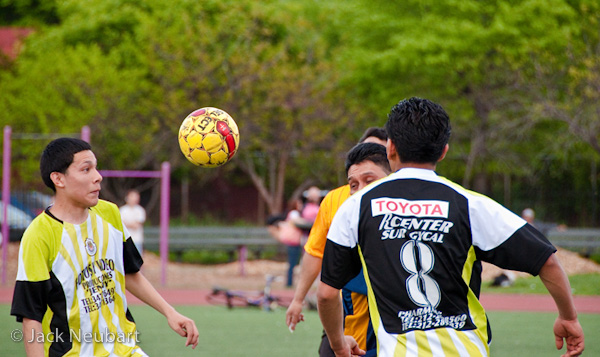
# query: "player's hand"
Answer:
x=185 y=327
x=350 y=348
x=294 y=315
x=572 y=333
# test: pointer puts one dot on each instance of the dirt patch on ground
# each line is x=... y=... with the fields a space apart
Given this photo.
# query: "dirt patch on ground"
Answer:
x=229 y=275
x=192 y=276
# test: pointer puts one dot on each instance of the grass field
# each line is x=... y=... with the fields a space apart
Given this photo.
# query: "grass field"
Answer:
x=582 y=284
x=245 y=332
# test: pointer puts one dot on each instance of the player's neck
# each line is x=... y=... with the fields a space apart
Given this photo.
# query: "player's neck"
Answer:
x=417 y=166
x=68 y=212
x=405 y=165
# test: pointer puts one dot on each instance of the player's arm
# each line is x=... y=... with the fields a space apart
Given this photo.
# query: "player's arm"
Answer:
x=30 y=295
x=140 y=287
x=34 y=347
x=566 y=326
x=341 y=262
x=309 y=270
x=332 y=317
x=310 y=267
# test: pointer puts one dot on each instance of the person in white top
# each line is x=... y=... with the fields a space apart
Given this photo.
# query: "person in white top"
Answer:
x=134 y=216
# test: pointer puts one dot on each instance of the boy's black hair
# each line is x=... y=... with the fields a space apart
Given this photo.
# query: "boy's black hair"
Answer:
x=58 y=156
x=420 y=129
x=368 y=151
x=376 y=132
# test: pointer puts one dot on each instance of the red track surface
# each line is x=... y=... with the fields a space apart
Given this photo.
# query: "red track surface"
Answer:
x=491 y=302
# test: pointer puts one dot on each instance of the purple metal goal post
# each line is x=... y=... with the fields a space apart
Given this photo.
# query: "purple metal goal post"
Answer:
x=165 y=184
x=164 y=175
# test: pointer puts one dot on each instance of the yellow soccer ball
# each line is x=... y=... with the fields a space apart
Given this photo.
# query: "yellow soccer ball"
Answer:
x=209 y=137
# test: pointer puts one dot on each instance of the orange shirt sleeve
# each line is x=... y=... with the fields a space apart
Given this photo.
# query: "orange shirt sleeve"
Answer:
x=315 y=245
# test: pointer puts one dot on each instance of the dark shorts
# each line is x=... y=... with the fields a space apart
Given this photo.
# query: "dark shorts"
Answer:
x=324 y=349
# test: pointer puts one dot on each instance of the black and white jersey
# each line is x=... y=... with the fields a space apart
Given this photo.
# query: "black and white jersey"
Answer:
x=420 y=239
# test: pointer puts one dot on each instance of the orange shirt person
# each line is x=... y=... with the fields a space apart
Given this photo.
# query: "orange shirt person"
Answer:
x=357 y=323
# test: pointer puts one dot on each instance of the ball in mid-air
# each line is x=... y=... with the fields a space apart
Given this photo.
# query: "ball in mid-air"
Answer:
x=209 y=137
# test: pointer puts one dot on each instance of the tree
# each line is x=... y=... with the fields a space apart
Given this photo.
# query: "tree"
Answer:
x=28 y=12
x=467 y=55
x=133 y=70
x=568 y=86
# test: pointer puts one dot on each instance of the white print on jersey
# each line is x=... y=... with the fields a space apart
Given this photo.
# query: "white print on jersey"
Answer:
x=418 y=260
x=427 y=230
x=401 y=207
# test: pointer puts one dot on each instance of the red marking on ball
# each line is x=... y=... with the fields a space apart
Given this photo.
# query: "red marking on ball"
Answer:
x=223 y=128
x=199 y=112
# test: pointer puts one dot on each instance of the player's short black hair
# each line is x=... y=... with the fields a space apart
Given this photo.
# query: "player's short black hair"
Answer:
x=376 y=132
x=368 y=152
x=420 y=129
x=58 y=156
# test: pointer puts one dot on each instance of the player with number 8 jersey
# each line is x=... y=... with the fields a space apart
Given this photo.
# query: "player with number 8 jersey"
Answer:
x=420 y=240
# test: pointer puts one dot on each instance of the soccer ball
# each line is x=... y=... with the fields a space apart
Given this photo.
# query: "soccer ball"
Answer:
x=209 y=137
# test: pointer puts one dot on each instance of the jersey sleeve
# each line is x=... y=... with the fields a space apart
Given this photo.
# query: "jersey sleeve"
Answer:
x=132 y=260
x=317 y=237
x=506 y=240
x=315 y=245
x=491 y=223
x=33 y=279
x=341 y=260
x=526 y=250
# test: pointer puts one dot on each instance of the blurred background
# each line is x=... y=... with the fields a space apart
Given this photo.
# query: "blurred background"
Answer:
x=303 y=80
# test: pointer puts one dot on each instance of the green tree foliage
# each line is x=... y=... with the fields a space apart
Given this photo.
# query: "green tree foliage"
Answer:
x=133 y=70
x=304 y=79
x=464 y=54
x=484 y=61
x=28 y=12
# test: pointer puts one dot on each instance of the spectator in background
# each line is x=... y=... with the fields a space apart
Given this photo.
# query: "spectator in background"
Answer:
x=528 y=214
x=134 y=216
x=310 y=209
x=284 y=229
x=313 y=198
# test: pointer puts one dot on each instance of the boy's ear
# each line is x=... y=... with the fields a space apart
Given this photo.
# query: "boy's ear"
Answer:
x=446 y=148
x=58 y=179
x=390 y=149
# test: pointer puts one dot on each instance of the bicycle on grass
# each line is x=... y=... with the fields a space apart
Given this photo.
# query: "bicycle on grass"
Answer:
x=262 y=299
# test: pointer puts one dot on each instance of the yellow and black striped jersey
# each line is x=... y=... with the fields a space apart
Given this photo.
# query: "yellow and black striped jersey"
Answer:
x=71 y=278
x=420 y=240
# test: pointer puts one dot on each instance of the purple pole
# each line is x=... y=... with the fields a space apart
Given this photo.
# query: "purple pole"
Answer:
x=85 y=133
x=165 y=185
x=5 y=198
x=130 y=173
x=243 y=257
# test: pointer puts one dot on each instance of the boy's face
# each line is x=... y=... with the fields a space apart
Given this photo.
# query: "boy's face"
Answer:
x=81 y=181
x=363 y=173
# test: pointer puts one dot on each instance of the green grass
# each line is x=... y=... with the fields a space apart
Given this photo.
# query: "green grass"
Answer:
x=595 y=257
x=248 y=332
x=584 y=284
x=223 y=332
x=530 y=334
